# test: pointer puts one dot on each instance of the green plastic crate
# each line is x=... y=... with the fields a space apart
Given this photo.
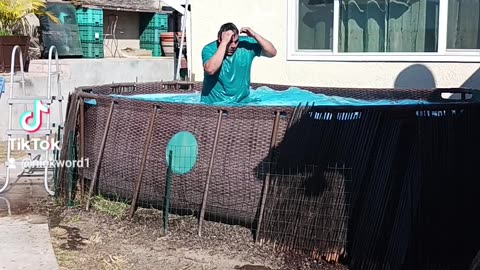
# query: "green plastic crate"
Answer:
x=89 y=16
x=91 y=33
x=151 y=35
x=155 y=48
x=91 y=50
x=153 y=21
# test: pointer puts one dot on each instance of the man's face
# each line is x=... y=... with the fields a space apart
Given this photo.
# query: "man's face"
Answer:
x=232 y=46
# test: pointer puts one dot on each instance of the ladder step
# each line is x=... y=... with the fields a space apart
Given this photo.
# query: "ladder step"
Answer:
x=37 y=152
x=24 y=132
x=31 y=99
x=37 y=163
x=28 y=101
x=16 y=79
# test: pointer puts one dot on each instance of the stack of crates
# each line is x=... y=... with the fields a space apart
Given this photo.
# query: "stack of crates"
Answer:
x=151 y=26
x=90 y=24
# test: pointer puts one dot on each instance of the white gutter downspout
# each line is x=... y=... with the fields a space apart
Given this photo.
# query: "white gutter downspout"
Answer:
x=189 y=41
x=184 y=36
x=186 y=31
x=175 y=4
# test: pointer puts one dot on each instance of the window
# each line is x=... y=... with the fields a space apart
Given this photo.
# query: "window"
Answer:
x=384 y=30
x=315 y=27
x=463 y=24
x=388 y=26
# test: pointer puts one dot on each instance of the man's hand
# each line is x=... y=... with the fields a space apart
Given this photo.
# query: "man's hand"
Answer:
x=248 y=31
x=215 y=63
x=268 y=49
x=227 y=37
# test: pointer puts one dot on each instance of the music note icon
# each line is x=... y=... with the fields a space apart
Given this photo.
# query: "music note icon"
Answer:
x=37 y=115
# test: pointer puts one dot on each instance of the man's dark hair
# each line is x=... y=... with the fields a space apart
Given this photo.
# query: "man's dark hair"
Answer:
x=226 y=27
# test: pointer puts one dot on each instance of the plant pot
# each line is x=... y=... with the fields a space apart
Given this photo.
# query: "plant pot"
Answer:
x=168 y=42
x=7 y=43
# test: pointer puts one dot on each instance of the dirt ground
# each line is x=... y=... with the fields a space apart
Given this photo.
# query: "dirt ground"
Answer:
x=3 y=152
x=103 y=238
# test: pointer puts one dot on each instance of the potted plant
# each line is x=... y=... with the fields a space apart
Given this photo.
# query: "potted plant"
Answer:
x=15 y=27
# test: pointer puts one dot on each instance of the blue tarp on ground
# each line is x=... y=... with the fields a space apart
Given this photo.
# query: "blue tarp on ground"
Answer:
x=2 y=85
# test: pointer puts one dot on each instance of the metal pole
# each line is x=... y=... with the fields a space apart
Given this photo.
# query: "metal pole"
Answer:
x=55 y=174
x=167 y=194
x=82 y=144
x=100 y=155
x=49 y=97
x=273 y=142
x=209 y=174
x=10 y=111
x=138 y=185
x=70 y=169
x=188 y=36
x=87 y=95
x=180 y=53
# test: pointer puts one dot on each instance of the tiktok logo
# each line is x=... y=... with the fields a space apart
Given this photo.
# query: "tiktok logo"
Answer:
x=36 y=115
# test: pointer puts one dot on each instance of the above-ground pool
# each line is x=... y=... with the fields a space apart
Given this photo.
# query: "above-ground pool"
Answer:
x=383 y=178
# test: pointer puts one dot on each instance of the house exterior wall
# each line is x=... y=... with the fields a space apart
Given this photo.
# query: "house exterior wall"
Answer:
x=270 y=20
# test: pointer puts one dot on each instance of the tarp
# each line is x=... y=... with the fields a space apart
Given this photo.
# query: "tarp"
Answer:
x=65 y=35
x=2 y=85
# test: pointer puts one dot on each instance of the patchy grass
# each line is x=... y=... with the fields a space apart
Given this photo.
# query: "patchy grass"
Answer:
x=115 y=263
x=3 y=152
x=73 y=219
x=114 y=209
x=64 y=257
x=87 y=240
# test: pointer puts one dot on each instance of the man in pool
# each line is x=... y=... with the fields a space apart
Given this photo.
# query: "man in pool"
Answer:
x=227 y=63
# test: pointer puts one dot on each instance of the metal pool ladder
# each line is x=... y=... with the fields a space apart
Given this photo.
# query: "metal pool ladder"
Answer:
x=46 y=129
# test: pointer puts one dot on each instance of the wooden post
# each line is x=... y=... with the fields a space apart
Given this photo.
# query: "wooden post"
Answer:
x=209 y=174
x=138 y=184
x=71 y=155
x=82 y=145
x=100 y=155
x=273 y=142
x=168 y=187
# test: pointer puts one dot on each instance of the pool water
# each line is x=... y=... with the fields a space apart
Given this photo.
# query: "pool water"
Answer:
x=264 y=96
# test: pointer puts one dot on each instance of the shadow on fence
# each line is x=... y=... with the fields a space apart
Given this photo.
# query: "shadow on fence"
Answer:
x=381 y=188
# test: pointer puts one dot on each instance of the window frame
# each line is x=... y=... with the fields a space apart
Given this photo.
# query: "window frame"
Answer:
x=443 y=54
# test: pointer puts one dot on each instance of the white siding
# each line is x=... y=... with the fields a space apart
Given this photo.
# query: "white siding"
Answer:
x=269 y=18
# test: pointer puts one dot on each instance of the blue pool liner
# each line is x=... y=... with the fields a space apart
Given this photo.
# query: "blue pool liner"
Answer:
x=265 y=96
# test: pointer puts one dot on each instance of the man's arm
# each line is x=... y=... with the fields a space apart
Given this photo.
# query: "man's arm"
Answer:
x=214 y=64
x=267 y=47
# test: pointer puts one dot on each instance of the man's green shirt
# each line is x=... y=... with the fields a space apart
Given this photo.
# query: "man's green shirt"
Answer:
x=232 y=82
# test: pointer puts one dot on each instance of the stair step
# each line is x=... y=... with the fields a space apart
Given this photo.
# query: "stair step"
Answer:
x=37 y=152
x=30 y=100
x=16 y=78
x=22 y=163
x=24 y=132
x=14 y=83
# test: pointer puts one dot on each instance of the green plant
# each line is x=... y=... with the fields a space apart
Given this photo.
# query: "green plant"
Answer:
x=14 y=13
x=116 y=209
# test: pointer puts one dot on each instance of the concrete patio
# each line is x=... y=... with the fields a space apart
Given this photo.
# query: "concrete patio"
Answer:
x=25 y=238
